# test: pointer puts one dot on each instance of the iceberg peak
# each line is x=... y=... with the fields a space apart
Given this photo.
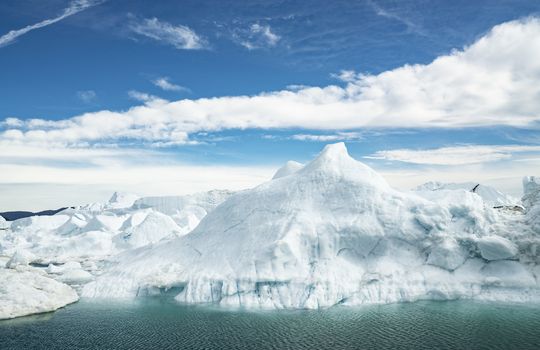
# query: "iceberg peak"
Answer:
x=334 y=160
x=289 y=168
x=121 y=200
x=334 y=151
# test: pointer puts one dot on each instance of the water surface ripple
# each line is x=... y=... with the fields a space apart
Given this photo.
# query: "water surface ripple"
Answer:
x=161 y=324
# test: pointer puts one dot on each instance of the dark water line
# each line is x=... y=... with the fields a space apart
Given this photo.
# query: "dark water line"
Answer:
x=162 y=324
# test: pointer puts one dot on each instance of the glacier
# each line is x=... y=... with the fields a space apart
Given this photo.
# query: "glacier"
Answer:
x=328 y=232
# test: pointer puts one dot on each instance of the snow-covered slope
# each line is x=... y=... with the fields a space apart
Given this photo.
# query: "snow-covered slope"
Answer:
x=491 y=196
x=334 y=232
x=289 y=168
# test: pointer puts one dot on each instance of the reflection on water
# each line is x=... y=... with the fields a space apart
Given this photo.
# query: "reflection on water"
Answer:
x=162 y=324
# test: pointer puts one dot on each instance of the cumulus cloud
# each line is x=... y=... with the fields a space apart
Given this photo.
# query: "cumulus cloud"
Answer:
x=87 y=96
x=179 y=36
x=492 y=82
x=458 y=155
x=257 y=36
x=164 y=83
x=74 y=7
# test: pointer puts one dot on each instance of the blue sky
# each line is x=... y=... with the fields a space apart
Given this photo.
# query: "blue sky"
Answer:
x=96 y=95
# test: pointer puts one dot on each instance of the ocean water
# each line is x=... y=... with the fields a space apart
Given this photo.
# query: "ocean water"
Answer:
x=162 y=324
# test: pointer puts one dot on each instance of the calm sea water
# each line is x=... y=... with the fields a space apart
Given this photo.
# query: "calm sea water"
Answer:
x=160 y=324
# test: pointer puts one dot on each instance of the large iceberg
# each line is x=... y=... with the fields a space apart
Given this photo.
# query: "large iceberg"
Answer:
x=334 y=232
x=329 y=232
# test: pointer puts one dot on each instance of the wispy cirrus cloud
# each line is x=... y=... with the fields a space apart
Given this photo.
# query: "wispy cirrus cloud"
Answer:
x=86 y=96
x=164 y=83
x=74 y=7
x=257 y=36
x=458 y=155
x=178 y=36
x=411 y=26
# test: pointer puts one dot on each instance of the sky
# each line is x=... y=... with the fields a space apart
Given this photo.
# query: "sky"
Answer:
x=175 y=97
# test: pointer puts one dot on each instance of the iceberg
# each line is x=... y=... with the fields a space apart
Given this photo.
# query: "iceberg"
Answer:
x=45 y=256
x=27 y=292
x=330 y=232
x=334 y=232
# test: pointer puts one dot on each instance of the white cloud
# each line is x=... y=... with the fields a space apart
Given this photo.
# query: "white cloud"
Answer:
x=258 y=36
x=87 y=96
x=348 y=76
x=179 y=36
x=459 y=155
x=492 y=82
x=144 y=97
x=164 y=83
x=339 y=136
x=74 y=7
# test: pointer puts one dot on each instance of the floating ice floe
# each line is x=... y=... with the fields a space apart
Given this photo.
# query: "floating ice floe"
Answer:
x=27 y=292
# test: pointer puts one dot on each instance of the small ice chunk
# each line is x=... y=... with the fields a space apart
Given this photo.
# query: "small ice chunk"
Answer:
x=75 y=276
x=496 y=248
x=448 y=255
x=20 y=257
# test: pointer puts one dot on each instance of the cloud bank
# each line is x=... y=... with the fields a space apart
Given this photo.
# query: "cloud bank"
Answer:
x=74 y=7
x=458 y=155
x=492 y=82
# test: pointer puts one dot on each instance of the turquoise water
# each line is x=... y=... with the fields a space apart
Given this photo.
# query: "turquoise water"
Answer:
x=161 y=324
